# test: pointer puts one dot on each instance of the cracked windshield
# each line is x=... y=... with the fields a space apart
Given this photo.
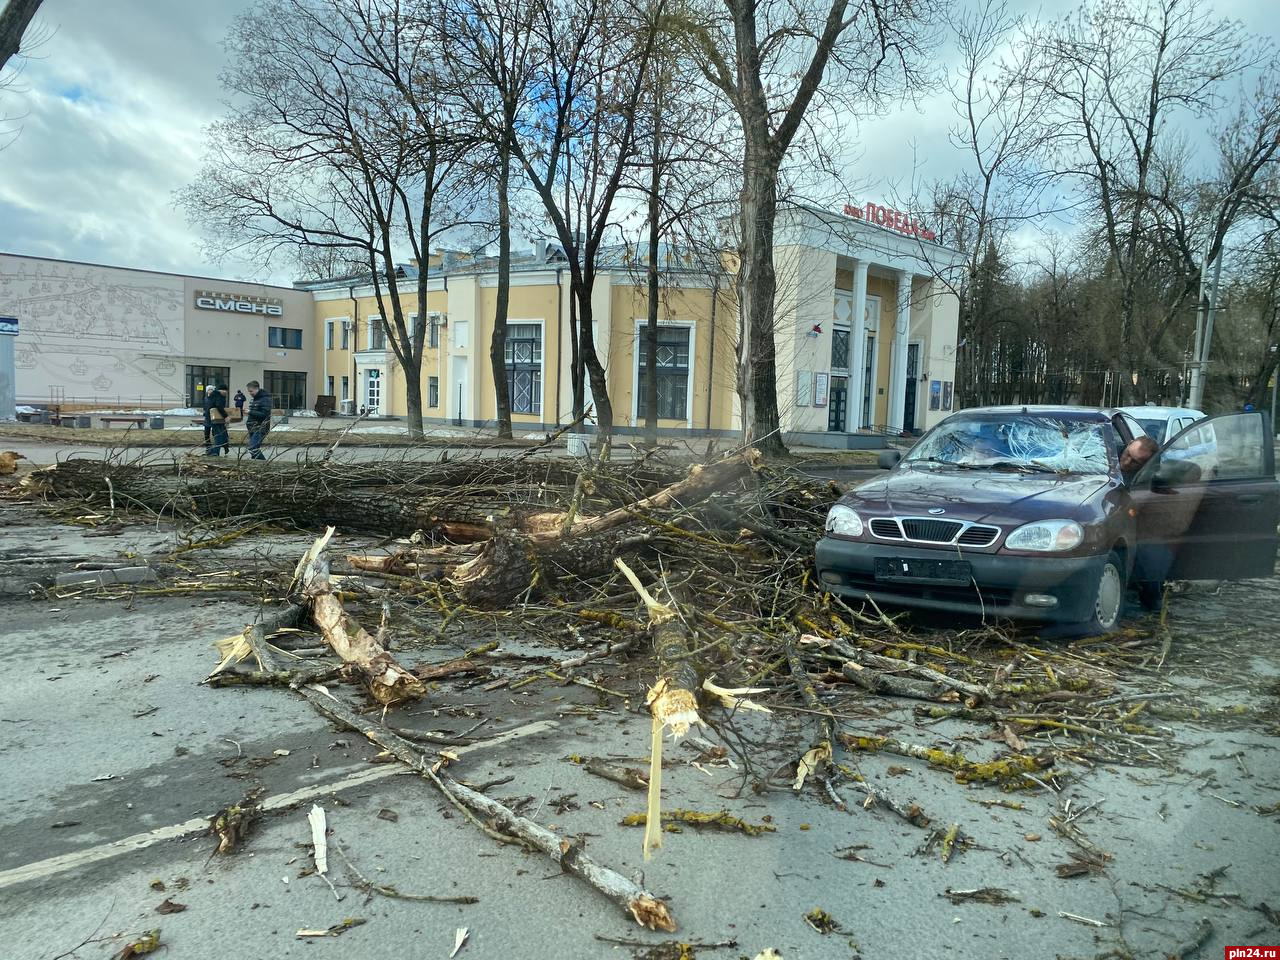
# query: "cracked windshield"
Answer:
x=663 y=480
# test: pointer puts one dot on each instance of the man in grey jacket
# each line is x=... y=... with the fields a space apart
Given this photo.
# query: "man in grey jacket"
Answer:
x=258 y=419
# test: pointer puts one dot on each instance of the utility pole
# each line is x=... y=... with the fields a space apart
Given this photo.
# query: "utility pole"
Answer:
x=1205 y=344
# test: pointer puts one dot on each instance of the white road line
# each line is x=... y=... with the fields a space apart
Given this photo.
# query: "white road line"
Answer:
x=140 y=841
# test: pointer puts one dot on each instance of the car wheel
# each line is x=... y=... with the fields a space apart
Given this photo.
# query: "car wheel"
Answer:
x=1108 y=596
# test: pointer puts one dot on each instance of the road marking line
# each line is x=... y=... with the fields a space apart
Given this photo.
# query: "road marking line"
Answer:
x=41 y=869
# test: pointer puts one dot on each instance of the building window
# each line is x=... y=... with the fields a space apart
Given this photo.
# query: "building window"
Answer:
x=523 y=356
x=377 y=334
x=346 y=334
x=331 y=386
x=288 y=388
x=673 y=372
x=839 y=349
x=328 y=334
x=433 y=390
x=433 y=332
x=199 y=377
x=286 y=338
x=346 y=388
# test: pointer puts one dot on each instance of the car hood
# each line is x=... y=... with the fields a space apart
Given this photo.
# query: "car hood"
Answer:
x=990 y=496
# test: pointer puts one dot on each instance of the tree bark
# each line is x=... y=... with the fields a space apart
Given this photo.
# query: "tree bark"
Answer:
x=14 y=19
x=757 y=287
x=386 y=680
x=591 y=360
x=651 y=324
x=498 y=343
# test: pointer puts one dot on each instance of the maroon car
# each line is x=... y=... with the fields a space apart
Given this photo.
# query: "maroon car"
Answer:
x=1023 y=512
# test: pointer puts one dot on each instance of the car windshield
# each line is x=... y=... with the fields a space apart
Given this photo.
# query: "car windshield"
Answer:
x=1154 y=428
x=1016 y=442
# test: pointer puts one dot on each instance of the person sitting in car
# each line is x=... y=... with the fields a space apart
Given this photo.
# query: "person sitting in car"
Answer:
x=1135 y=455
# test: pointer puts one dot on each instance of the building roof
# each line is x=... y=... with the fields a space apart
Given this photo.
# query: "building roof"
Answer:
x=544 y=255
x=158 y=273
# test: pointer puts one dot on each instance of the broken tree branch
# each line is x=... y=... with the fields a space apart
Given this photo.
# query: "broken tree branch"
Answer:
x=647 y=909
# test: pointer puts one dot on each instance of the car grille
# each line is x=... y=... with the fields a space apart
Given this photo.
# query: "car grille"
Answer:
x=931 y=531
x=886 y=529
x=979 y=536
x=928 y=530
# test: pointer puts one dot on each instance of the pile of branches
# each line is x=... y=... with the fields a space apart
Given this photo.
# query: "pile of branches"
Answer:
x=701 y=574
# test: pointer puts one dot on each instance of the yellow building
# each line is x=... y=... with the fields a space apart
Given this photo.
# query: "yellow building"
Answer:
x=831 y=381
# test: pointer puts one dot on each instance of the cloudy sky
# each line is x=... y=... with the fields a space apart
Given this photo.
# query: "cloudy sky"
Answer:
x=107 y=120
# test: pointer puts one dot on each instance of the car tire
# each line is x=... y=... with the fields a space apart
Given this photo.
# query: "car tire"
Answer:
x=1108 y=597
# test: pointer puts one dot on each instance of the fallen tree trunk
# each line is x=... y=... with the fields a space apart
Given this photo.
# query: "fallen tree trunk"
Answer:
x=512 y=564
x=465 y=501
x=386 y=680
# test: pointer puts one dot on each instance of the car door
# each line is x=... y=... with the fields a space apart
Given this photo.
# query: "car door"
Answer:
x=1207 y=505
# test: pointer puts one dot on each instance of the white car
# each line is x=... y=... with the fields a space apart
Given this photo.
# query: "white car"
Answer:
x=1163 y=423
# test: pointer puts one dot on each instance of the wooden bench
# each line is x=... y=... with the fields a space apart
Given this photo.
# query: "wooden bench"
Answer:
x=136 y=421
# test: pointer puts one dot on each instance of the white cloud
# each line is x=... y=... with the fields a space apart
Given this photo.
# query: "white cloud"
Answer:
x=116 y=100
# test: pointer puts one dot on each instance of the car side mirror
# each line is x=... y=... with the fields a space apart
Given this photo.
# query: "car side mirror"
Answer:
x=1170 y=473
x=889 y=459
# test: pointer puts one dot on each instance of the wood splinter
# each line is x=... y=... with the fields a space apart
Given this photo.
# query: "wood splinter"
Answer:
x=672 y=701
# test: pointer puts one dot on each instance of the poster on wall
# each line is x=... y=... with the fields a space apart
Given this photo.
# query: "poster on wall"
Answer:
x=821 y=388
x=803 y=381
x=946 y=395
x=935 y=394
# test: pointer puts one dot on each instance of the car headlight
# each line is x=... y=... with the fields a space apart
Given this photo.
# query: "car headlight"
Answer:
x=843 y=521
x=1046 y=536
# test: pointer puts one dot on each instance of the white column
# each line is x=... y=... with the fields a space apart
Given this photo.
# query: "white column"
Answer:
x=858 y=332
x=898 y=362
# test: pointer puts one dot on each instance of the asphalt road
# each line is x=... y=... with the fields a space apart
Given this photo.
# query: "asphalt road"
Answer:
x=113 y=754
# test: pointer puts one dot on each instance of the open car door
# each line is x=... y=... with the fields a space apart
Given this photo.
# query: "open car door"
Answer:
x=1208 y=504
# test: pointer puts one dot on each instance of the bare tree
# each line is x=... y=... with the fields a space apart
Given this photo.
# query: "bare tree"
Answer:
x=575 y=142
x=1121 y=77
x=490 y=47
x=686 y=174
x=1002 y=136
x=334 y=143
x=778 y=63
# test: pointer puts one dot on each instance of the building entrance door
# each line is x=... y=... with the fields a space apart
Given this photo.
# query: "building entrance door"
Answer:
x=459 y=386
x=373 y=390
x=838 y=407
x=868 y=382
x=913 y=374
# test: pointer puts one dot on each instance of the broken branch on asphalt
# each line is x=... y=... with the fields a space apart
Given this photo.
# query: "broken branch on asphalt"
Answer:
x=693 y=583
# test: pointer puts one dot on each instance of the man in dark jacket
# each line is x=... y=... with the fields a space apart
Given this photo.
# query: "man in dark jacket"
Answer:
x=258 y=419
x=215 y=420
x=239 y=399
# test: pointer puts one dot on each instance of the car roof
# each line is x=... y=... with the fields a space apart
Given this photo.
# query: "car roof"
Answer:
x=1165 y=412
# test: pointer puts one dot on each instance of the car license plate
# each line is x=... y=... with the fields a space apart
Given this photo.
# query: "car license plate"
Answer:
x=923 y=571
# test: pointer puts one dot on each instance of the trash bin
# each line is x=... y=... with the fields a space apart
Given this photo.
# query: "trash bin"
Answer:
x=157 y=423
x=578 y=444
x=84 y=422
